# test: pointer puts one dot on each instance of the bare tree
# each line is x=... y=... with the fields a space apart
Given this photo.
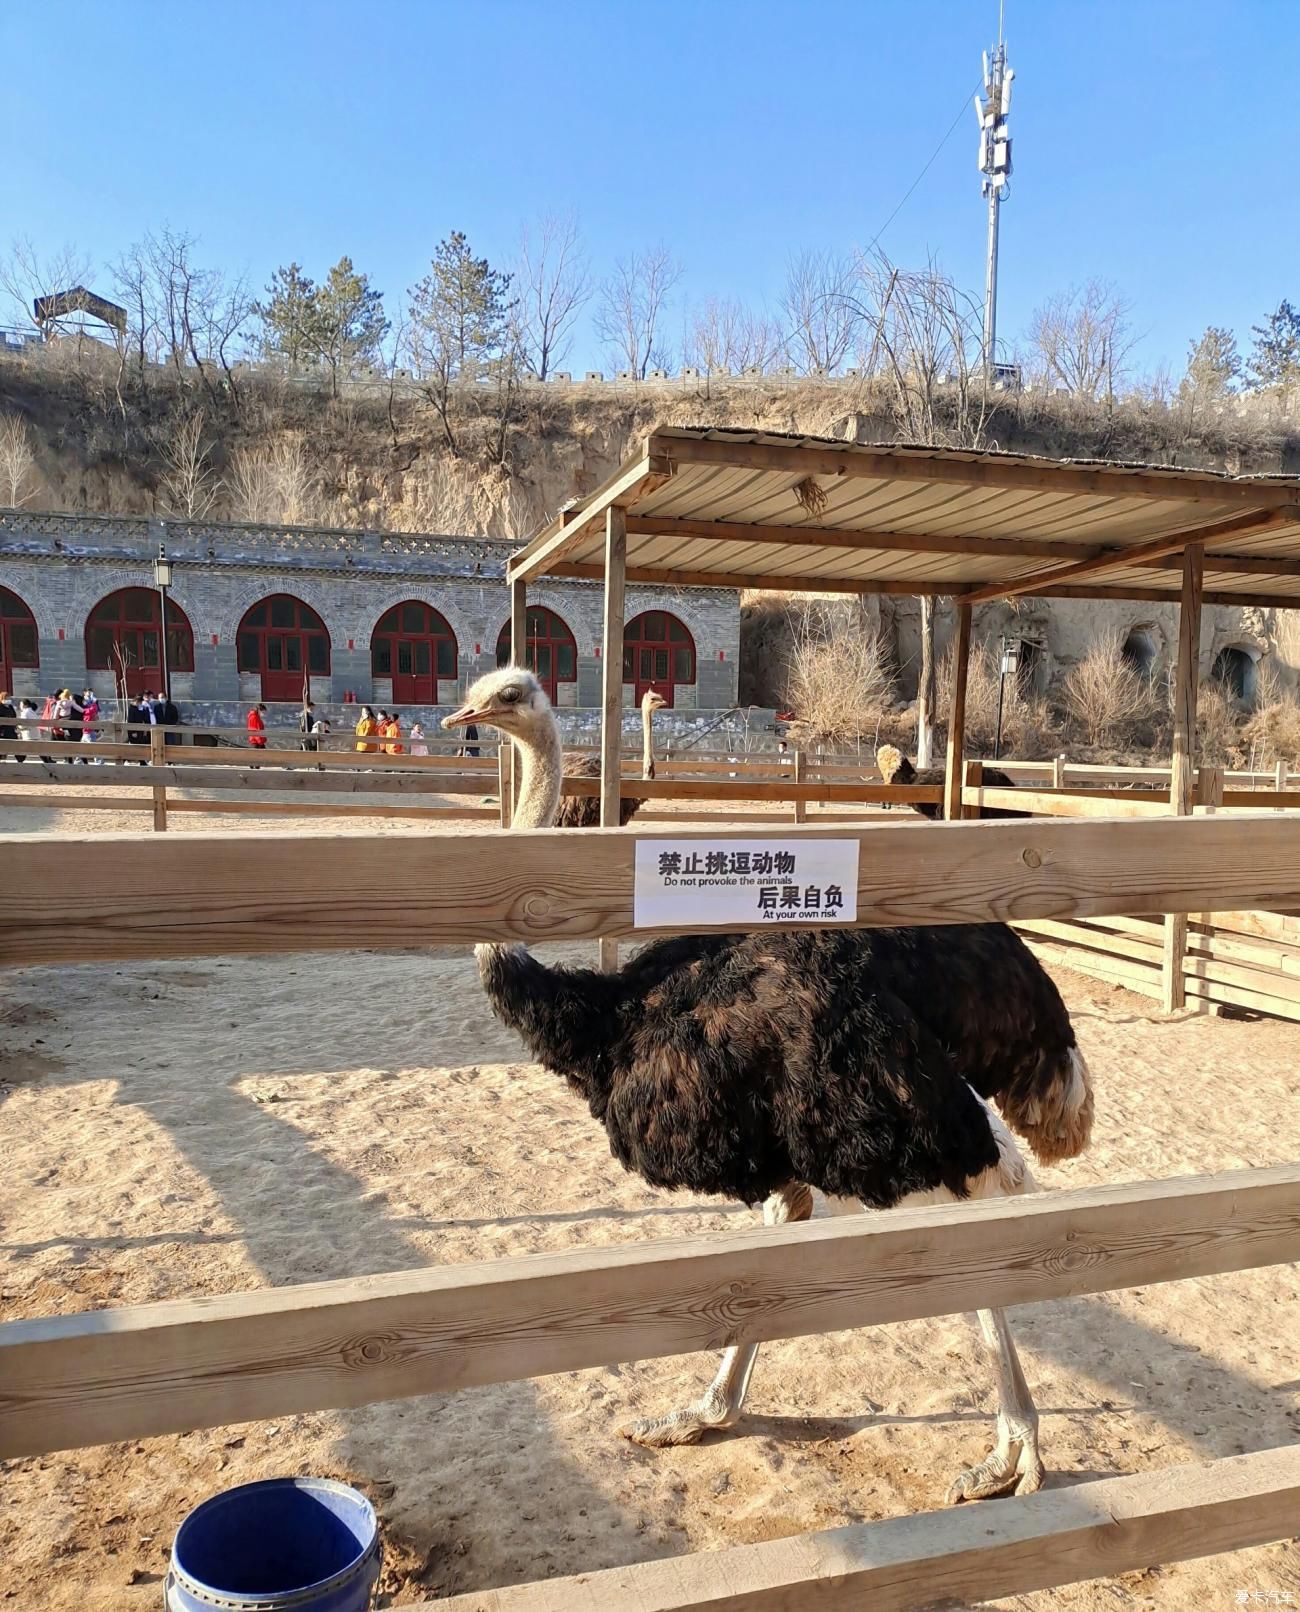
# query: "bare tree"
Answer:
x=925 y=339
x=273 y=482
x=189 y=485
x=17 y=461
x=1081 y=340
x=27 y=275
x=821 y=310
x=554 y=284
x=724 y=337
x=630 y=309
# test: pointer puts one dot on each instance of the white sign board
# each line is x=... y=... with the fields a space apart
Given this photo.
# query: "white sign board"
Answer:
x=745 y=883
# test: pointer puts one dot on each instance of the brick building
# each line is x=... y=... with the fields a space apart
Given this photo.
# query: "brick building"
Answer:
x=378 y=617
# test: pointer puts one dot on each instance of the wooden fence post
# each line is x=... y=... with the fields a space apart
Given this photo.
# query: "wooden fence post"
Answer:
x=1182 y=762
x=1058 y=773
x=611 y=721
x=158 y=758
x=504 y=748
x=800 y=807
x=973 y=778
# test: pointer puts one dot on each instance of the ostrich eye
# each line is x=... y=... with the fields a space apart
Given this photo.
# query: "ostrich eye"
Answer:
x=510 y=695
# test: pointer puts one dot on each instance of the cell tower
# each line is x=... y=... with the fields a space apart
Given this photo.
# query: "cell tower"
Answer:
x=995 y=165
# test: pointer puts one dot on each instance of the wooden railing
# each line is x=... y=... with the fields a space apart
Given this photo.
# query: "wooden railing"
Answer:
x=120 y=1374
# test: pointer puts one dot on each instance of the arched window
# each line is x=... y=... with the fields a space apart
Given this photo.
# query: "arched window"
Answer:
x=123 y=639
x=286 y=643
x=658 y=653
x=18 y=646
x=414 y=646
x=552 y=652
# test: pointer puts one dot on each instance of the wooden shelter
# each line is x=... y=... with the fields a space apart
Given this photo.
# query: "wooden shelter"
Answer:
x=744 y=509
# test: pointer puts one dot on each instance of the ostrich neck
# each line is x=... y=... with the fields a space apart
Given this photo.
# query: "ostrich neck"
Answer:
x=647 y=745
x=541 y=779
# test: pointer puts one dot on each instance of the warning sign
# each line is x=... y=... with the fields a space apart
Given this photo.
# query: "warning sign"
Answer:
x=748 y=883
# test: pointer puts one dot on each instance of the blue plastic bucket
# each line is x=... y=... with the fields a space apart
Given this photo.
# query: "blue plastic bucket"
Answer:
x=303 y=1543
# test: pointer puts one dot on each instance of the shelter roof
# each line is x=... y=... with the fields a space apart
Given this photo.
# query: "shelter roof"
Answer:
x=750 y=509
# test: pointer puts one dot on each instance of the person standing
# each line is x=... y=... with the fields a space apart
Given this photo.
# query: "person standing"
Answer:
x=393 y=732
x=171 y=717
x=28 y=716
x=365 y=728
x=418 y=746
x=89 y=717
x=306 y=727
x=257 y=727
x=471 y=741
x=7 y=716
x=137 y=721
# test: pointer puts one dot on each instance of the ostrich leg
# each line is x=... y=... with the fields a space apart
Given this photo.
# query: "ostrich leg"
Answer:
x=1014 y=1465
x=723 y=1399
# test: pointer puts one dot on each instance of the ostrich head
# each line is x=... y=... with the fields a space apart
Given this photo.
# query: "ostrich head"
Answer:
x=651 y=701
x=510 y=699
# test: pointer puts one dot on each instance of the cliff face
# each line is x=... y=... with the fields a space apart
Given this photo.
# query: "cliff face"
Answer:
x=264 y=447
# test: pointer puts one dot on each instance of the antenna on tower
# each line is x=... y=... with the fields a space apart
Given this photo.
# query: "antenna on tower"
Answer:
x=993 y=112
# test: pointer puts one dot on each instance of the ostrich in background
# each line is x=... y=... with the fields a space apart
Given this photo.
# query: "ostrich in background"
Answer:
x=757 y=1066
x=895 y=768
x=583 y=811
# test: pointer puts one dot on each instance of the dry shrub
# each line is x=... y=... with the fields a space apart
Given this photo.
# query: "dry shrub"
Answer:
x=1274 y=729
x=273 y=482
x=1106 y=696
x=1027 y=727
x=1218 y=731
x=840 y=686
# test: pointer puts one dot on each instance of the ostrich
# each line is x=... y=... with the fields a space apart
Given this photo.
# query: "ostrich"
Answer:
x=895 y=768
x=758 y=1066
x=583 y=811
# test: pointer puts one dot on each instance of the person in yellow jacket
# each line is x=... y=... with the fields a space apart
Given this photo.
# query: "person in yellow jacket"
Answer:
x=365 y=727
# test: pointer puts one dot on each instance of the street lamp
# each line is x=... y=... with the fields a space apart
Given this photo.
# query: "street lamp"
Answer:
x=162 y=576
x=1010 y=661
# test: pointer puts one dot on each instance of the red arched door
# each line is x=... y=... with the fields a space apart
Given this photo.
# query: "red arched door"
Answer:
x=414 y=646
x=658 y=654
x=123 y=639
x=551 y=650
x=18 y=645
x=286 y=642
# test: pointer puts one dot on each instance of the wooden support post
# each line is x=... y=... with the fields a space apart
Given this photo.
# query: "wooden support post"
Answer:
x=519 y=657
x=1182 y=763
x=611 y=721
x=1279 y=778
x=800 y=767
x=158 y=758
x=1209 y=787
x=952 y=778
x=1058 y=773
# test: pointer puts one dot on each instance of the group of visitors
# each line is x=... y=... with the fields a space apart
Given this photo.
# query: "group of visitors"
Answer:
x=64 y=716
x=151 y=710
x=387 y=727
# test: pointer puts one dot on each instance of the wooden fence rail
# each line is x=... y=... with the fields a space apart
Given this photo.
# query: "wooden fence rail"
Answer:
x=108 y=1375
x=119 y=896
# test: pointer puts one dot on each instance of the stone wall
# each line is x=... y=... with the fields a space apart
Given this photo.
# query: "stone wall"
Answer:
x=61 y=566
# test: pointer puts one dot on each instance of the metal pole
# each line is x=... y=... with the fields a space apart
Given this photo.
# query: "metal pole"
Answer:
x=991 y=288
x=997 y=738
x=162 y=643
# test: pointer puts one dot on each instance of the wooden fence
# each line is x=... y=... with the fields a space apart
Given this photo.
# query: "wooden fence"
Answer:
x=131 y=1373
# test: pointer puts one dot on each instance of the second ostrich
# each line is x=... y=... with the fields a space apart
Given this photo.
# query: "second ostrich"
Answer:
x=583 y=811
x=895 y=768
x=757 y=1066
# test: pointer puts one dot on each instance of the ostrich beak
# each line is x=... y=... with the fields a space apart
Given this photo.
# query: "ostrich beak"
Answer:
x=468 y=714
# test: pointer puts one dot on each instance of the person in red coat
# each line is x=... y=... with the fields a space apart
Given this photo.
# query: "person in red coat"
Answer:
x=257 y=727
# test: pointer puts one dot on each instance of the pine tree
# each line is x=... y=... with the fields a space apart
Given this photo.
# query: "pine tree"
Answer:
x=1213 y=365
x=347 y=321
x=461 y=328
x=1275 y=360
x=286 y=315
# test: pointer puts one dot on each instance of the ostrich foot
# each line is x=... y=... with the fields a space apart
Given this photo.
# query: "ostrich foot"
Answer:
x=1013 y=1466
x=687 y=1426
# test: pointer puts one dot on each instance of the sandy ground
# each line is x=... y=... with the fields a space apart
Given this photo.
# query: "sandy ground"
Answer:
x=177 y=1129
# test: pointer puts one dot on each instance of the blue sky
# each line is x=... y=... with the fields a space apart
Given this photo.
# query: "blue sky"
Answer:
x=1155 y=142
